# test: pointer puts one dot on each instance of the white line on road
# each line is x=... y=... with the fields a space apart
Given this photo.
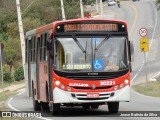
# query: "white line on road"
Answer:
x=149 y=46
x=13 y=108
x=9 y=104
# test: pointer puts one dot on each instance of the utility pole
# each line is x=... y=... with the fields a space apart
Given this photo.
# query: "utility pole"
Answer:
x=62 y=8
x=97 y=6
x=21 y=32
x=1 y=47
x=81 y=6
x=101 y=8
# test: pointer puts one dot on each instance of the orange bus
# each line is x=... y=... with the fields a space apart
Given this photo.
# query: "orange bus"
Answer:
x=80 y=62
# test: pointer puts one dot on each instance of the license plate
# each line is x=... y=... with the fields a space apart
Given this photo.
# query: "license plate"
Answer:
x=92 y=95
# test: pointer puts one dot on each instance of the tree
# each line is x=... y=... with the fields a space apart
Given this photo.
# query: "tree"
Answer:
x=89 y=2
x=72 y=9
x=7 y=15
x=12 y=51
x=1 y=3
x=158 y=4
x=28 y=24
x=39 y=13
x=12 y=45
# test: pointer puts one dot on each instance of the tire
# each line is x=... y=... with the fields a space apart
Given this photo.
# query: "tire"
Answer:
x=94 y=106
x=113 y=107
x=86 y=106
x=54 y=108
x=45 y=106
x=36 y=104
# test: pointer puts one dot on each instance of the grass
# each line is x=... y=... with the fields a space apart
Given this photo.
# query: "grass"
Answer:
x=149 y=89
x=4 y=96
x=6 y=84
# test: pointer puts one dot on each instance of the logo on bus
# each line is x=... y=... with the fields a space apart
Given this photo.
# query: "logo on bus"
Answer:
x=93 y=86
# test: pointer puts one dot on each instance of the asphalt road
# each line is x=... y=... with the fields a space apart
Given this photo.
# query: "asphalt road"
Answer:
x=140 y=14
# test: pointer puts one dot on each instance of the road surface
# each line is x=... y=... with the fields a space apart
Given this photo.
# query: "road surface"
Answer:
x=140 y=14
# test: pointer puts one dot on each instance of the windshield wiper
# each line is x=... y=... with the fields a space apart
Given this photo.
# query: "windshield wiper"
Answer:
x=79 y=45
x=96 y=48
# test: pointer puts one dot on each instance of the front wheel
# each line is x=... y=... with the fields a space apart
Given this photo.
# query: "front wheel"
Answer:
x=86 y=107
x=54 y=108
x=94 y=106
x=113 y=107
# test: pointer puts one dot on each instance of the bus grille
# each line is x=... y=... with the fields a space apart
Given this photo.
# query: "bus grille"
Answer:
x=89 y=88
x=92 y=98
x=91 y=77
x=83 y=96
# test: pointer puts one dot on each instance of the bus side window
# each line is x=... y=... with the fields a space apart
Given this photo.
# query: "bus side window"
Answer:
x=45 y=47
x=41 y=48
x=26 y=50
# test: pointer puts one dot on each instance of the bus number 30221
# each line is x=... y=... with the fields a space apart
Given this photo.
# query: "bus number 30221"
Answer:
x=107 y=83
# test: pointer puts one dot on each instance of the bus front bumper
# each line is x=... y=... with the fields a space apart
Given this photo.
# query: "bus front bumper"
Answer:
x=60 y=96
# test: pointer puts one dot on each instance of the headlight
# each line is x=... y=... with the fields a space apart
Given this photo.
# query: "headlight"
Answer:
x=126 y=81
x=57 y=83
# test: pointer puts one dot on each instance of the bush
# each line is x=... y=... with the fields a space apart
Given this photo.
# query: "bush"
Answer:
x=19 y=74
x=7 y=76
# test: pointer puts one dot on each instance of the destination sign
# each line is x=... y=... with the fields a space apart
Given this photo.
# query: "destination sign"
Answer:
x=90 y=27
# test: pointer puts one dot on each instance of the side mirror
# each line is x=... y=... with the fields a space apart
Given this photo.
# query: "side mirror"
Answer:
x=49 y=43
x=131 y=51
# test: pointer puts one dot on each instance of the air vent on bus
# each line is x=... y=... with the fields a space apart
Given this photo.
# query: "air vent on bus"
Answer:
x=90 y=77
x=89 y=88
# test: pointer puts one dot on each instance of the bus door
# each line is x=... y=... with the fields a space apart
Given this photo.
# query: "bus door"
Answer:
x=29 y=67
x=37 y=66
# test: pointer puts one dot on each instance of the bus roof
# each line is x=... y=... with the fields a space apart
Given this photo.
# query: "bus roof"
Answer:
x=89 y=19
x=50 y=26
x=31 y=32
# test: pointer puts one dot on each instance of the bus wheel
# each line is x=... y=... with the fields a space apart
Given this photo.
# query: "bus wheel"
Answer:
x=86 y=106
x=54 y=108
x=94 y=106
x=36 y=104
x=113 y=107
x=45 y=106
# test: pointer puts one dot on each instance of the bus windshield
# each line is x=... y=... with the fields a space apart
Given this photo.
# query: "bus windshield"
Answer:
x=90 y=54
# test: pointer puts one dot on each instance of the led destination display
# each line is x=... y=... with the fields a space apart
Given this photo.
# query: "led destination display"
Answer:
x=90 y=27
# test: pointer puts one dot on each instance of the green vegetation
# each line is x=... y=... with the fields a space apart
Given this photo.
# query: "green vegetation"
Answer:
x=6 y=84
x=158 y=4
x=34 y=14
x=149 y=89
x=4 y=97
x=19 y=74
